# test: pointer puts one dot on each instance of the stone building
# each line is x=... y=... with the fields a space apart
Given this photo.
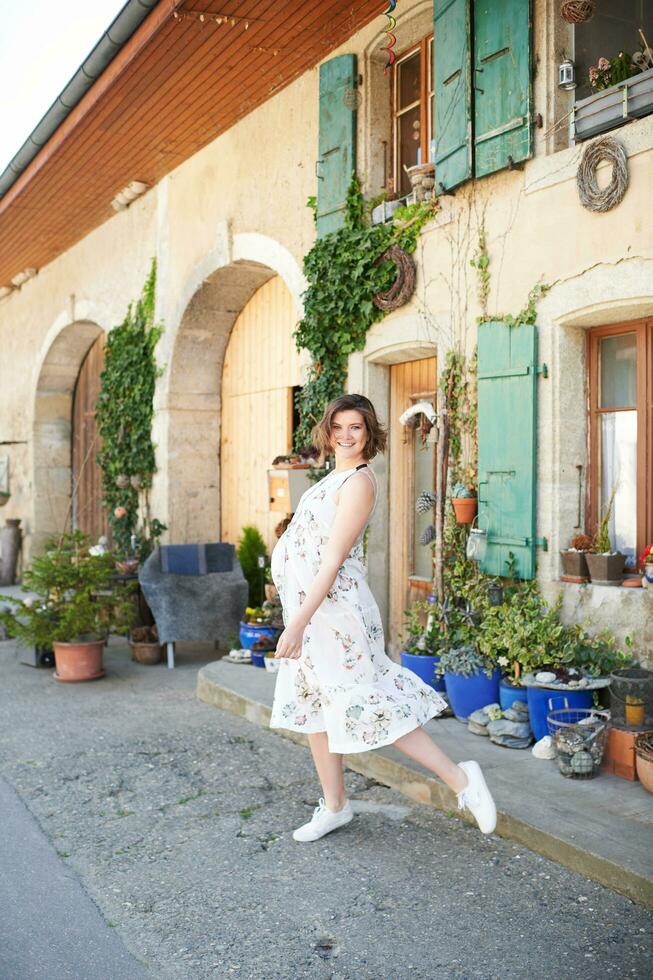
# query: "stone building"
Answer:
x=218 y=120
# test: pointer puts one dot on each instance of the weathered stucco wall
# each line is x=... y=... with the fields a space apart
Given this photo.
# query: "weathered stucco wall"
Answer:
x=241 y=203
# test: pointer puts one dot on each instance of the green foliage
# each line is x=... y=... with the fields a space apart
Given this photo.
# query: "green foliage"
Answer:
x=460 y=491
x=343 y=274
x=458 y=383
x=422 y=631
x=124 y=415
x=528 y=314
x=481 y=262
x=250 y=546
x=77 y=596
x=601 y=542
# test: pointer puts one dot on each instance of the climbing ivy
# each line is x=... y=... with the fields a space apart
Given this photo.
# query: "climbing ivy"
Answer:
x=124 y=413
x=344 y=273
x=458 y=382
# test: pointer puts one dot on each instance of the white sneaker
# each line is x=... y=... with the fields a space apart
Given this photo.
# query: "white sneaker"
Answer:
x=323 y=822
x=477 y=798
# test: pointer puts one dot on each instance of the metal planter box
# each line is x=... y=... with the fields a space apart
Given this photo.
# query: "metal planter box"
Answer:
x=614 y=106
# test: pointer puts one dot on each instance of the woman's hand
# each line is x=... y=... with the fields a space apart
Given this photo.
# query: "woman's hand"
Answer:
x=290 y=642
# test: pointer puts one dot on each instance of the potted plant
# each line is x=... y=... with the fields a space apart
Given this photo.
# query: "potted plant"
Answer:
x=257 y=622
x=263 y=647
x=422 y=643
x=646 y=562
x=574 y=564
x=144 y=645
x=77 y=604
x=464 y=503
x=270 y=588
x=471 y=679
x=622 y=89
x=606 y=567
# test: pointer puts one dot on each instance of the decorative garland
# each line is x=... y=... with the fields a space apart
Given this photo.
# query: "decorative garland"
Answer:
x=124 y=413
x=593 y=197
x=345 y=270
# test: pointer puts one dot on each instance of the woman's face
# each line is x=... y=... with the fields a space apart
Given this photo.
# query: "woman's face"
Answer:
x=348 y=434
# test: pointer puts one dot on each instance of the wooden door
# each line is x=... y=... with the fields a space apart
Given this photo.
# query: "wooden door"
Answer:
x=412 y=470
x=88 y=514
x=261 y=367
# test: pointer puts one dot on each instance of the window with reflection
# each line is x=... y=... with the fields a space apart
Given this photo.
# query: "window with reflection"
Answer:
x=412 y=111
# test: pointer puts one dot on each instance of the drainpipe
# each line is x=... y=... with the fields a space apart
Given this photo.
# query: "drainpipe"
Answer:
x=118 y=33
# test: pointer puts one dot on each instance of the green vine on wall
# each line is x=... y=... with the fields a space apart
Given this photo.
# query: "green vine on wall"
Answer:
x=344 y=273
x=124 y=414
x=458 y=382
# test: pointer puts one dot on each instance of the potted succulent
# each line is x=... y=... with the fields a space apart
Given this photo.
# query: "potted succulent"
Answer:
x=422 y=643
x=574 y=564
x=646 y=562
x=464 y=503
x=77 y=604
x=471 y=679
x=257 y=622
x=606 y=567
x=144 y=645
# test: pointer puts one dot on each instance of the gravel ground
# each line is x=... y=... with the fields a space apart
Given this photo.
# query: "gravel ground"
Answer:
x=177 y=818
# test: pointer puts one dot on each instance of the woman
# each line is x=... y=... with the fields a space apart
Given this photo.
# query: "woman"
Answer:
x=335 y=682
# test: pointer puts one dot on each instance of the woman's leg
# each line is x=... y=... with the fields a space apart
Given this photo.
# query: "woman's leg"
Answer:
x=418 y=745
x=329 y=770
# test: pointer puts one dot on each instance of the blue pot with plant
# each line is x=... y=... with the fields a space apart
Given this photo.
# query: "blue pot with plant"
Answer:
x=471 y=681
x=421 y=645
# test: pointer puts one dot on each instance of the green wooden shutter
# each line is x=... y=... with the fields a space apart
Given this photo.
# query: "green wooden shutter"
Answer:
x=503 y=129
x=452 y=125
x=337 y=140
x=507 y=420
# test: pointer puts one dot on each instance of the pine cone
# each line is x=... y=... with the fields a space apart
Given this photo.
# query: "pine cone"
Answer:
x=427 y=535
x=426 y=501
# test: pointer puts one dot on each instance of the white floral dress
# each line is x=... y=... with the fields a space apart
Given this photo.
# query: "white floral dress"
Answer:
x=343 y=683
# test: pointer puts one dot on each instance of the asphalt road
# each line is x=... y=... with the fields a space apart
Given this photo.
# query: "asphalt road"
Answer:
x=167 y=823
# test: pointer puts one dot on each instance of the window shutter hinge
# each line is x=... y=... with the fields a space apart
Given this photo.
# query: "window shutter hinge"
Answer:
x=544 y=371
x=542 y=543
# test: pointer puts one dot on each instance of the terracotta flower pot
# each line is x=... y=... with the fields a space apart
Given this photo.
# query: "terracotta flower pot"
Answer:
x=80 y=661
x=146 y=653
x=644 y=767
x=465 y=508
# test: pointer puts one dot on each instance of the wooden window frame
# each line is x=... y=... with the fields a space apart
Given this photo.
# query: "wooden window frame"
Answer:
x=416 y=581
x=643 y=330
x=426 y=99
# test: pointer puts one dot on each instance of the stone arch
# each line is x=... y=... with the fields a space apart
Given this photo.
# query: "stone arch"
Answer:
x=57 y=372
x=192 y=413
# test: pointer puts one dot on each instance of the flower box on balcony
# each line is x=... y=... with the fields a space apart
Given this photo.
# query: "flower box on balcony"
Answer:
x=614 y=106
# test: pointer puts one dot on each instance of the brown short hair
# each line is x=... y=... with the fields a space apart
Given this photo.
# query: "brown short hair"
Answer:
x=376 y=434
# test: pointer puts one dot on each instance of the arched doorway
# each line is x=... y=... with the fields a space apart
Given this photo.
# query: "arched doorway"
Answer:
x=53 y=426
x=192 y=417
x=88 y=514
x=261 y=368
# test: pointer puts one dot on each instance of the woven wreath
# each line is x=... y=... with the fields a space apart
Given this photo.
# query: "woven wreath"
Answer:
x=404 y=285
x=577 y=11
x=593 y=197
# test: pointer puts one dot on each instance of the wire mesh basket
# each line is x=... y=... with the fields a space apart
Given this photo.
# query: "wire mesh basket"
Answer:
x=631 y=699
x=579 y=736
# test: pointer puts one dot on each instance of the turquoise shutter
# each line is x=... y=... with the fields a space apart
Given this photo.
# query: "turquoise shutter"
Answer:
x=507 y=419
x=452 y=125
x=337 y=140
x=503 y=132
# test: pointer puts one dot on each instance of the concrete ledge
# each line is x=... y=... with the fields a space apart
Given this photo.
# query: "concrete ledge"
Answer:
x=537 y=807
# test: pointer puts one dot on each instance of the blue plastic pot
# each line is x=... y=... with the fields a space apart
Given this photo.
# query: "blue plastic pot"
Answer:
x=251 y=632
x=468 y=694
x=509 y=693
x=541 y=700
x=258 y=658
x=424 y=666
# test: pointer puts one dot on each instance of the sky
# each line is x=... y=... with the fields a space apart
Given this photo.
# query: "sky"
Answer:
x=42 y=44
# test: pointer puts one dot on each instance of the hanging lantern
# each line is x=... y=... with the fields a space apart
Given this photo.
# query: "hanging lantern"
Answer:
x=495 y=593
x=567 y=75
x=476 y=544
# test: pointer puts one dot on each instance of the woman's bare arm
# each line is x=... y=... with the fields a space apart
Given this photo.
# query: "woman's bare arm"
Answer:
x=355 y=502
